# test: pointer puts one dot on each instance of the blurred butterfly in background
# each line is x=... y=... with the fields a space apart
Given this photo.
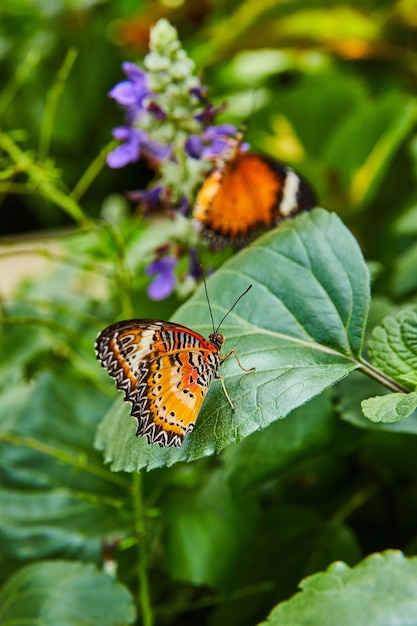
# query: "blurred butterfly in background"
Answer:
x=245 y=194
x=165 y=370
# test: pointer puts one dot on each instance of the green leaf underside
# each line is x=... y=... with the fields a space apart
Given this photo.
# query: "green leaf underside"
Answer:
x=64 y=593
x=353 y=391
x=393 y=347
x=301 y=327
x=389 y=408
x=381 y=589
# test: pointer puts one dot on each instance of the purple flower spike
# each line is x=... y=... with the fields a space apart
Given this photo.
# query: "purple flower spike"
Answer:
x=163 y=285
x=130 y=150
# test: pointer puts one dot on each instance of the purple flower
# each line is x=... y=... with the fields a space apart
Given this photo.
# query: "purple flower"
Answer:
x=131 y=92
x=157 y=151
x=200 y=92
x=209 y=113
x=222 y=130
x=212 y=143
x=184 y=207
x=163 y=285
x=129 y=151
x=194 y=146
x=150 y=199
x=136 y=142
x=156 y=111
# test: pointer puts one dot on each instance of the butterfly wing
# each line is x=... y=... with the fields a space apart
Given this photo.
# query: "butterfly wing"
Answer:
x=164 y=370
x=248 y=194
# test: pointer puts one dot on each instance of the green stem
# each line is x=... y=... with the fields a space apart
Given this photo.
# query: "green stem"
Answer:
x=123 y=286
x=52 y=102
x=18 y=78
x=140 y=531
x=122 y=281
x=92 y=171
x=41 y=180
x=222 y=598
x=381 y=378
x=356 y=501
x=80 y=461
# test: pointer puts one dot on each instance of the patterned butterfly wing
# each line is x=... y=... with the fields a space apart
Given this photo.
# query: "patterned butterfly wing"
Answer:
x=164 y=370
x=246 y=194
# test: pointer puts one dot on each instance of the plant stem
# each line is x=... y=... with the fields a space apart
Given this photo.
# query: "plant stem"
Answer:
x=42 y=181
x=140 y=528
x=52 y=99
x=92 y=171
x=123 y=285
x=381 y=378
x=80 y=461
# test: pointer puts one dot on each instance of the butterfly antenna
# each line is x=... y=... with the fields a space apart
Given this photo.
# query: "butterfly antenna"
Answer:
x=231 y=309
x=207 y=296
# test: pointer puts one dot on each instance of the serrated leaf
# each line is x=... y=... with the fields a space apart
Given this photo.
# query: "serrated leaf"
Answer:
x=393 y=347
x=389 y=408
x=301 y=327
x=381 y=589
x=64 y=593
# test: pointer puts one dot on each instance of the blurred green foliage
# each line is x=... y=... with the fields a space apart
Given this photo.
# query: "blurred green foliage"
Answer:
x=327 y=87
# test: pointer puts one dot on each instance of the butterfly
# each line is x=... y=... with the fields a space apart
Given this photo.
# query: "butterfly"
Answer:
x=165 y=370
x=247 y=193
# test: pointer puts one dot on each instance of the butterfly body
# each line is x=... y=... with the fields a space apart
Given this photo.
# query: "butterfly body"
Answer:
x=245 y=194
x=164 y=369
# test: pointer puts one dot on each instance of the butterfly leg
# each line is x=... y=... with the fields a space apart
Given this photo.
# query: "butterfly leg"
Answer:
x=222 y=360
x=225 y=390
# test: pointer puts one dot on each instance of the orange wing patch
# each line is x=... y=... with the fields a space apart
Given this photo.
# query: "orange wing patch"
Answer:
x=245 y=194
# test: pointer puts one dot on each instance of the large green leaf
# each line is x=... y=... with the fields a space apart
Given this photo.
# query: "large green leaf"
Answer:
x=54 y=523
x=64 y=593
x=269 y=452
x=382 y=589
x=208 y=532
x=301 y=327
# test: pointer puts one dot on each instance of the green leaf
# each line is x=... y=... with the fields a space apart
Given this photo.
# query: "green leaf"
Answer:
x=389 y=408
x=64 y=593
x=393 y=347
x=365 y=145
x=355 y=389
x=208 y=533
x=53 y=523
x=265 y=454
x=382 y=589
x=301 y=327
x=405 y=275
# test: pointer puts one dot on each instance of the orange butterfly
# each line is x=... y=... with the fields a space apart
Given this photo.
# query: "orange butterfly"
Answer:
x=165 y=370
x=246 y=193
